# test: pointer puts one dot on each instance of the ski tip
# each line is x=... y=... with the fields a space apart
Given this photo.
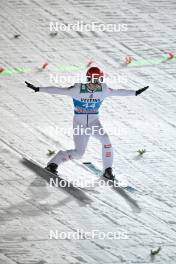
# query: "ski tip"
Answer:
x=130 y=189
x=25 y=157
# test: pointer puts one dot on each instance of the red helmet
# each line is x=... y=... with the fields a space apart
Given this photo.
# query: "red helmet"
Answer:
x=94 y=74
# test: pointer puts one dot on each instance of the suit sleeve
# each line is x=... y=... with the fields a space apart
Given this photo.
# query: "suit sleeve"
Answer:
x=119 y=92
x=70 y=91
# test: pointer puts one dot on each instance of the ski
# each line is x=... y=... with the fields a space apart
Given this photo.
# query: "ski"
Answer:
x=114 y=183
x=54 y=180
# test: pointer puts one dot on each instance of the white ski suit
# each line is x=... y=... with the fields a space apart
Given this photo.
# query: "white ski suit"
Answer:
x=86 y=119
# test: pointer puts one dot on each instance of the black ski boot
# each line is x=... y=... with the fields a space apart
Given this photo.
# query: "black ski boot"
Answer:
x=108 y=174
x=52 y=167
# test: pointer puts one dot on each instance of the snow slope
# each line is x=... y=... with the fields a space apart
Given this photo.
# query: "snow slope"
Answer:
x=30 y=123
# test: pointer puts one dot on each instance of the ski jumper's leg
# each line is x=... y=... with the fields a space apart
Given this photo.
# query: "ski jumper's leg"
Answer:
x=107 y=150
x=80 y=141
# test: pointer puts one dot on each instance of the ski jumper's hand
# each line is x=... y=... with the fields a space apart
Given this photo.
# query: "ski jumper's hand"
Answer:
x=141 y=90
x=36 y=89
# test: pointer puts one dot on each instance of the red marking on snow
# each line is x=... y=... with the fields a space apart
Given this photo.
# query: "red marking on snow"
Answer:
x=108 y=146
x=128 y=59
x=1 y=69
x=108 y=154
x=170 y=55
x=45 y=65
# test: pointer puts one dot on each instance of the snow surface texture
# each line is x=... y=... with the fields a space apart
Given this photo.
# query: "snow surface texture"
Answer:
x=30 y=122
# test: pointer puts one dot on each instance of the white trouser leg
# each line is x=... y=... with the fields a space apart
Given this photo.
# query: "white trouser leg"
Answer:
x=80 y=142
x=107 y=150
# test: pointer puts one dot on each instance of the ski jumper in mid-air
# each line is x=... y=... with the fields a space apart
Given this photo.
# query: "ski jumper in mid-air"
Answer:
x=87 y=99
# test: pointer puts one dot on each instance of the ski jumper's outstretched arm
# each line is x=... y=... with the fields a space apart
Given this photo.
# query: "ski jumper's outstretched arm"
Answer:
x=119 y=92
x=124 y=92
x=57 y=90
x=52 y=89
